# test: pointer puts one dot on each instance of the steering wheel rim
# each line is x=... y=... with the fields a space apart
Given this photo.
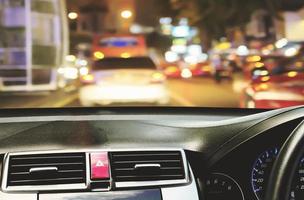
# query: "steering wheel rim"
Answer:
x=285 y=166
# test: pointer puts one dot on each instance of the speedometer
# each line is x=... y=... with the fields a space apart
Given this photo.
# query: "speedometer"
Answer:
x=261 y=171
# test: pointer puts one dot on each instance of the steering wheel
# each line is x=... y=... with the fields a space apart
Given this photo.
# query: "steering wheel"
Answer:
x=285 y=166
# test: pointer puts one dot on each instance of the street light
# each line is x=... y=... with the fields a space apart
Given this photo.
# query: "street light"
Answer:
x=73 y=15
x=126 y=14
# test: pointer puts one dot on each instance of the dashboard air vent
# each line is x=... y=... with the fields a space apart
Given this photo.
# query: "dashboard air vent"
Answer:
x=46 y=169
x=147 y=166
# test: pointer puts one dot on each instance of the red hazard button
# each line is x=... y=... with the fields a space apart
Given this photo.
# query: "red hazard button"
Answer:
x=99 y=166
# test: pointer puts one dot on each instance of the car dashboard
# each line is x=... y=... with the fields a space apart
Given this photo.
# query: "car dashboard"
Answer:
x=143 y=153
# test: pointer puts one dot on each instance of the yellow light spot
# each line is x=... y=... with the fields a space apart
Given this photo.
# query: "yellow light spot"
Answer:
x=254 y=59
x=171 y=69
x=264 y=86
x=99 y=55
x=158 y=77
x=299 y=64
x=126 y=14
x=207 y=68
x=265 y=78
x=88 y=77
x=125 y=55
x=223 y=46
x=292 y=74
x=259 y=64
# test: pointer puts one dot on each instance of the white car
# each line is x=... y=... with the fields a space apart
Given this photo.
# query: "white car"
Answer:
x=124 y=80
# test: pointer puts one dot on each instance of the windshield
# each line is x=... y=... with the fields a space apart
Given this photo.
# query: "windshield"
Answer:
x=196 y=53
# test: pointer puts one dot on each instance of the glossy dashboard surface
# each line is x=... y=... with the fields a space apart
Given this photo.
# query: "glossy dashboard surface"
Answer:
x=217 y=142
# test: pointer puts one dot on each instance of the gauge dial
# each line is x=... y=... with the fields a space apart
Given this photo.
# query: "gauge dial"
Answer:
x=261 y=172
x=221 y=187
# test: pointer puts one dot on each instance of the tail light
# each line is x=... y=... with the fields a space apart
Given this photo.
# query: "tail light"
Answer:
x=261 y=87
x=171 y=70
x=98 y=55
x=158 y=77
x=207 y=68
x=89 y=78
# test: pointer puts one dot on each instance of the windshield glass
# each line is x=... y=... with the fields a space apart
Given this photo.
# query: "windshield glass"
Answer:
x=196 y=53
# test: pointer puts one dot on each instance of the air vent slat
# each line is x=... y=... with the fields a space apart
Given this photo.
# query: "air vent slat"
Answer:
x=70 y=169
x=63 y=171
x=44 y=157
x=50 y=179
x=147 y=161
x=164 y=168
x=170 y=166
x=45 y=164
x=148 y=155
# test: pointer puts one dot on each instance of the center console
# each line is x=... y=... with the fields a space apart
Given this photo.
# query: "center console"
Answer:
x=154 y=174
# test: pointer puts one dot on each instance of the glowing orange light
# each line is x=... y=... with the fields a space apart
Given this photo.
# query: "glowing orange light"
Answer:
x=299 y=64
x=292 y=74
x=265 y=78
x=158 y=77
x=254 y=59
x=125 y=55
x=126 y=14
x=259 y=64
x=88 y=77
x=171 y=69
x=207 y=68
x=264 y=86
x=99 y=55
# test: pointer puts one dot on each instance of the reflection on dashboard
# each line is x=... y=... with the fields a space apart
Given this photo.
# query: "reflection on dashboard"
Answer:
x=261 y=173
x=220 y=187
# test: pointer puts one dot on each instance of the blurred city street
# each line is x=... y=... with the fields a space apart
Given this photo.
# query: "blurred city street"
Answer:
x=96 y=53
x=183 y=92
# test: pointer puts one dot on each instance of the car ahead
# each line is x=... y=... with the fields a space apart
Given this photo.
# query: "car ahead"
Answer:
x=257 y=63
x=281 y=87
x=222 y=69
x=117 y=45
x=175 y=70
x=123 y=80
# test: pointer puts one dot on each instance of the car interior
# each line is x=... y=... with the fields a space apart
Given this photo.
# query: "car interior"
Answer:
x=152 y=153
x=151 y=100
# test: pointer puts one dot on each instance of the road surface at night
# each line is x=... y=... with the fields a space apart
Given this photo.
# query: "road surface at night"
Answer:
x=202 y=92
